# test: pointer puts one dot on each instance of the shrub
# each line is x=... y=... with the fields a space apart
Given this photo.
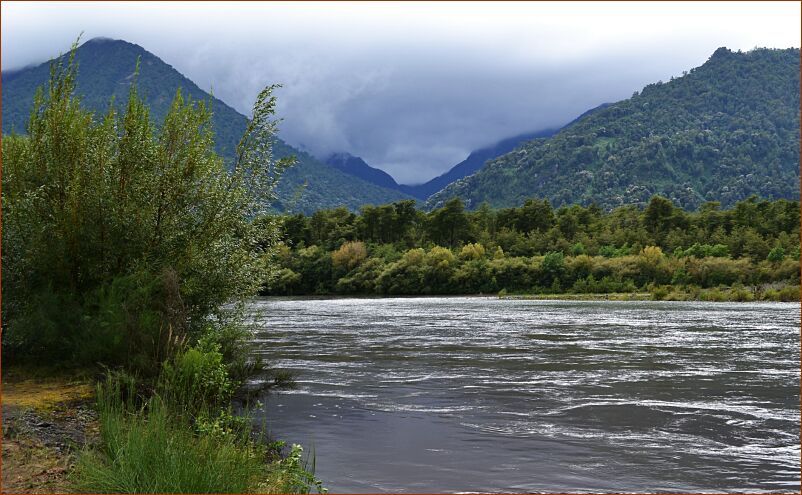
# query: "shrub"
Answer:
x=349 y=255
x=659 y=292
x=777 y=254
x=472 y=251
x=405 y=276
x=552 y=267
x=285 y=282
x=680 y=277
x=579 y=267
x=513 y=273
x=578 y=249
x=710 y=272
x=144 y=450
x=196 y=380
x=363 y=279
x=145 y=233
x=474 y=276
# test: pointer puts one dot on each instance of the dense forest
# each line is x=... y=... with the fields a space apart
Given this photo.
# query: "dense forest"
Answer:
x=398 y=249
x=721 y=132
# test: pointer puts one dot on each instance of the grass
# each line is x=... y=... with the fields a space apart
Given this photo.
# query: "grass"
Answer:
x=43 y=394
x=147 y=446
x=148 y=452
x=788 y=293
x=146 y=449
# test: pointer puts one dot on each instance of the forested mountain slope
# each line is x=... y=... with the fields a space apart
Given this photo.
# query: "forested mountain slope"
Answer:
x=107 y=68
x=722 y=132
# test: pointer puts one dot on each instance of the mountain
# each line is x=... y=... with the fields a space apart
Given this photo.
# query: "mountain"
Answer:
x=106 y=69
x=357 y=167
x=721 y=132
x=471 y=164
x=353 y=165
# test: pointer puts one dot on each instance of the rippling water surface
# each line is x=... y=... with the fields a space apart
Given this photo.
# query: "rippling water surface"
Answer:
x=481 y=394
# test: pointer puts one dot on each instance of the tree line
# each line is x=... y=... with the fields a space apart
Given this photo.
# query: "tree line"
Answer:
x=399 y=249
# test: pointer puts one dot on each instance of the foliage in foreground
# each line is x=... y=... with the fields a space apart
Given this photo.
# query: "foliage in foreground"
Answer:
x=135 y=248
x=184 y=438
x=123 y=241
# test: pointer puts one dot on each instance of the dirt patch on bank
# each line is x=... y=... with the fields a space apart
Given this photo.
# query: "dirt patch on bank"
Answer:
x=46 y=422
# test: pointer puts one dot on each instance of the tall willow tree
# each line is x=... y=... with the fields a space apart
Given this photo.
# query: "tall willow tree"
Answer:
x=122 y=239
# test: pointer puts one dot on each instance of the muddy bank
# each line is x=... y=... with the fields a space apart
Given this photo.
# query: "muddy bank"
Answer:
x=46 y=422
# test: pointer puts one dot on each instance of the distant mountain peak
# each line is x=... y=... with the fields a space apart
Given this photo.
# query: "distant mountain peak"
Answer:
x=102 y=39
x=356 y=166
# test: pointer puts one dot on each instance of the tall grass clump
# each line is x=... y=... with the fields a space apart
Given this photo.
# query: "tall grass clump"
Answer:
x=184 y=438
x=146 y=449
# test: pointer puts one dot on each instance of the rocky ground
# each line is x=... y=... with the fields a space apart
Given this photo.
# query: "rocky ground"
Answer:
x=46 y=422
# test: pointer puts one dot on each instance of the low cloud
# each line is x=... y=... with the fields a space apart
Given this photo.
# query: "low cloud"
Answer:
x=411 y=87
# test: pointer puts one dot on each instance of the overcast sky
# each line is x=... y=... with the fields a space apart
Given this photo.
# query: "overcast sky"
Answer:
x=411 y=87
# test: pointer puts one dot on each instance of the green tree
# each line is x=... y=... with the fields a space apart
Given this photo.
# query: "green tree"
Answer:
x=449 y=224
x=776 y=254
x=122 y=238
x=657 y=215
x=553 y=266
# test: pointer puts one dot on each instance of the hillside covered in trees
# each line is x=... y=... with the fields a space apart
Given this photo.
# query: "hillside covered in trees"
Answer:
x=107 y=69
x=721 y=132
x=397 y=250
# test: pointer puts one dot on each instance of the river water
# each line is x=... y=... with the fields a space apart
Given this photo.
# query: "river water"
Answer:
x=487 y=395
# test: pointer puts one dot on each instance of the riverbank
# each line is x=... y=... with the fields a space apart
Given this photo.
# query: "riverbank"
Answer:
x=47 y=421
x=737 y=293
x=60 y=436
x=617 y=296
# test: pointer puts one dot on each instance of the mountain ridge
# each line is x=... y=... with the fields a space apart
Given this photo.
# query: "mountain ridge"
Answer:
x=471 y=164
x=105 y=70
x=356 y=166
x=721 y=132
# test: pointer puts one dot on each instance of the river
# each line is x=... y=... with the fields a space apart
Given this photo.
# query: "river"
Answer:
x=473 y=394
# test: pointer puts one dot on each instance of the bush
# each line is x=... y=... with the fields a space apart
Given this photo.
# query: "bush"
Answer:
x=472 y=251
x=144 y=450
x=552 y=268
x=349 y=255
x=144 y=236
x=363 y=279
x=196 y=380
x=703 y=250
x=786 y=294
x=777 y=254
x=680 y=277
x=711 y=272
x=606 y=285
x=659 y=292
x=405 y=276
x=513 y=273
x=474 y=277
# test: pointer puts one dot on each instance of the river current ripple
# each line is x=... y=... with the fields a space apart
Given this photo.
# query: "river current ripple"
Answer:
x=477 y=394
